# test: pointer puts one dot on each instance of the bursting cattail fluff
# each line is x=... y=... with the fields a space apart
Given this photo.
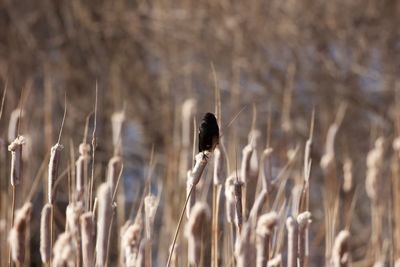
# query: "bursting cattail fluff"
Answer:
x=54 y=162
x=198 y=217
x=17 y=236
x=45 y=233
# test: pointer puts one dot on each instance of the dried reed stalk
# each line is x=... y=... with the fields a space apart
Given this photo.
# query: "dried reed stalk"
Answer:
x=17 y=235
x=193 y=231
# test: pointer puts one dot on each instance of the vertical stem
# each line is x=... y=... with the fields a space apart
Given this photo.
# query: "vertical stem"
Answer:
x=12 y=221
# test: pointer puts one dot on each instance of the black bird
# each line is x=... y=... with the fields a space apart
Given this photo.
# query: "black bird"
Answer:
x=208 y=133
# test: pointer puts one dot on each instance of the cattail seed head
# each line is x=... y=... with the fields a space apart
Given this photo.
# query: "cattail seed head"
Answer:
x=17 y=236
x=150 y=208
x=15 y=118
x=73 y=212
x=266 y=172
x=230 y=198
x=374 y=166
x=105 y=211
x=219 y=165
x=16 y=159
x=45 y=233
x=245 y=165
x=55 y=154
x=130 y=240
x=87 y=237
x=340 y=250
x=65 y=251
x=114 y=169
x=198 y=217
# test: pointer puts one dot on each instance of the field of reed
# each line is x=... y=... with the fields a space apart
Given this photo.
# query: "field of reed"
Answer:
x=241 y=202
x=102 y=163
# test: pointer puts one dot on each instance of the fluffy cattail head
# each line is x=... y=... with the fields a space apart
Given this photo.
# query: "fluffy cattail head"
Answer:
x=150 y=208
x=87 y=236
x=55 y=154
x=201 y=162
x=130 y=240
x=17 y=235
x=114 y=169
x=105 y=211
x=230 y=198
x=73 y=213
x=304 y=219
x=266 y=223
x=16 y=159
x=347 y=175
x=374 y=166
x=219 y=165
x=117 y=121
x=15 y=117
x=245 y=165
x=65 y=251
x=266 y=172
x=198 y=217
x=340 y=250
x=45 y=233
